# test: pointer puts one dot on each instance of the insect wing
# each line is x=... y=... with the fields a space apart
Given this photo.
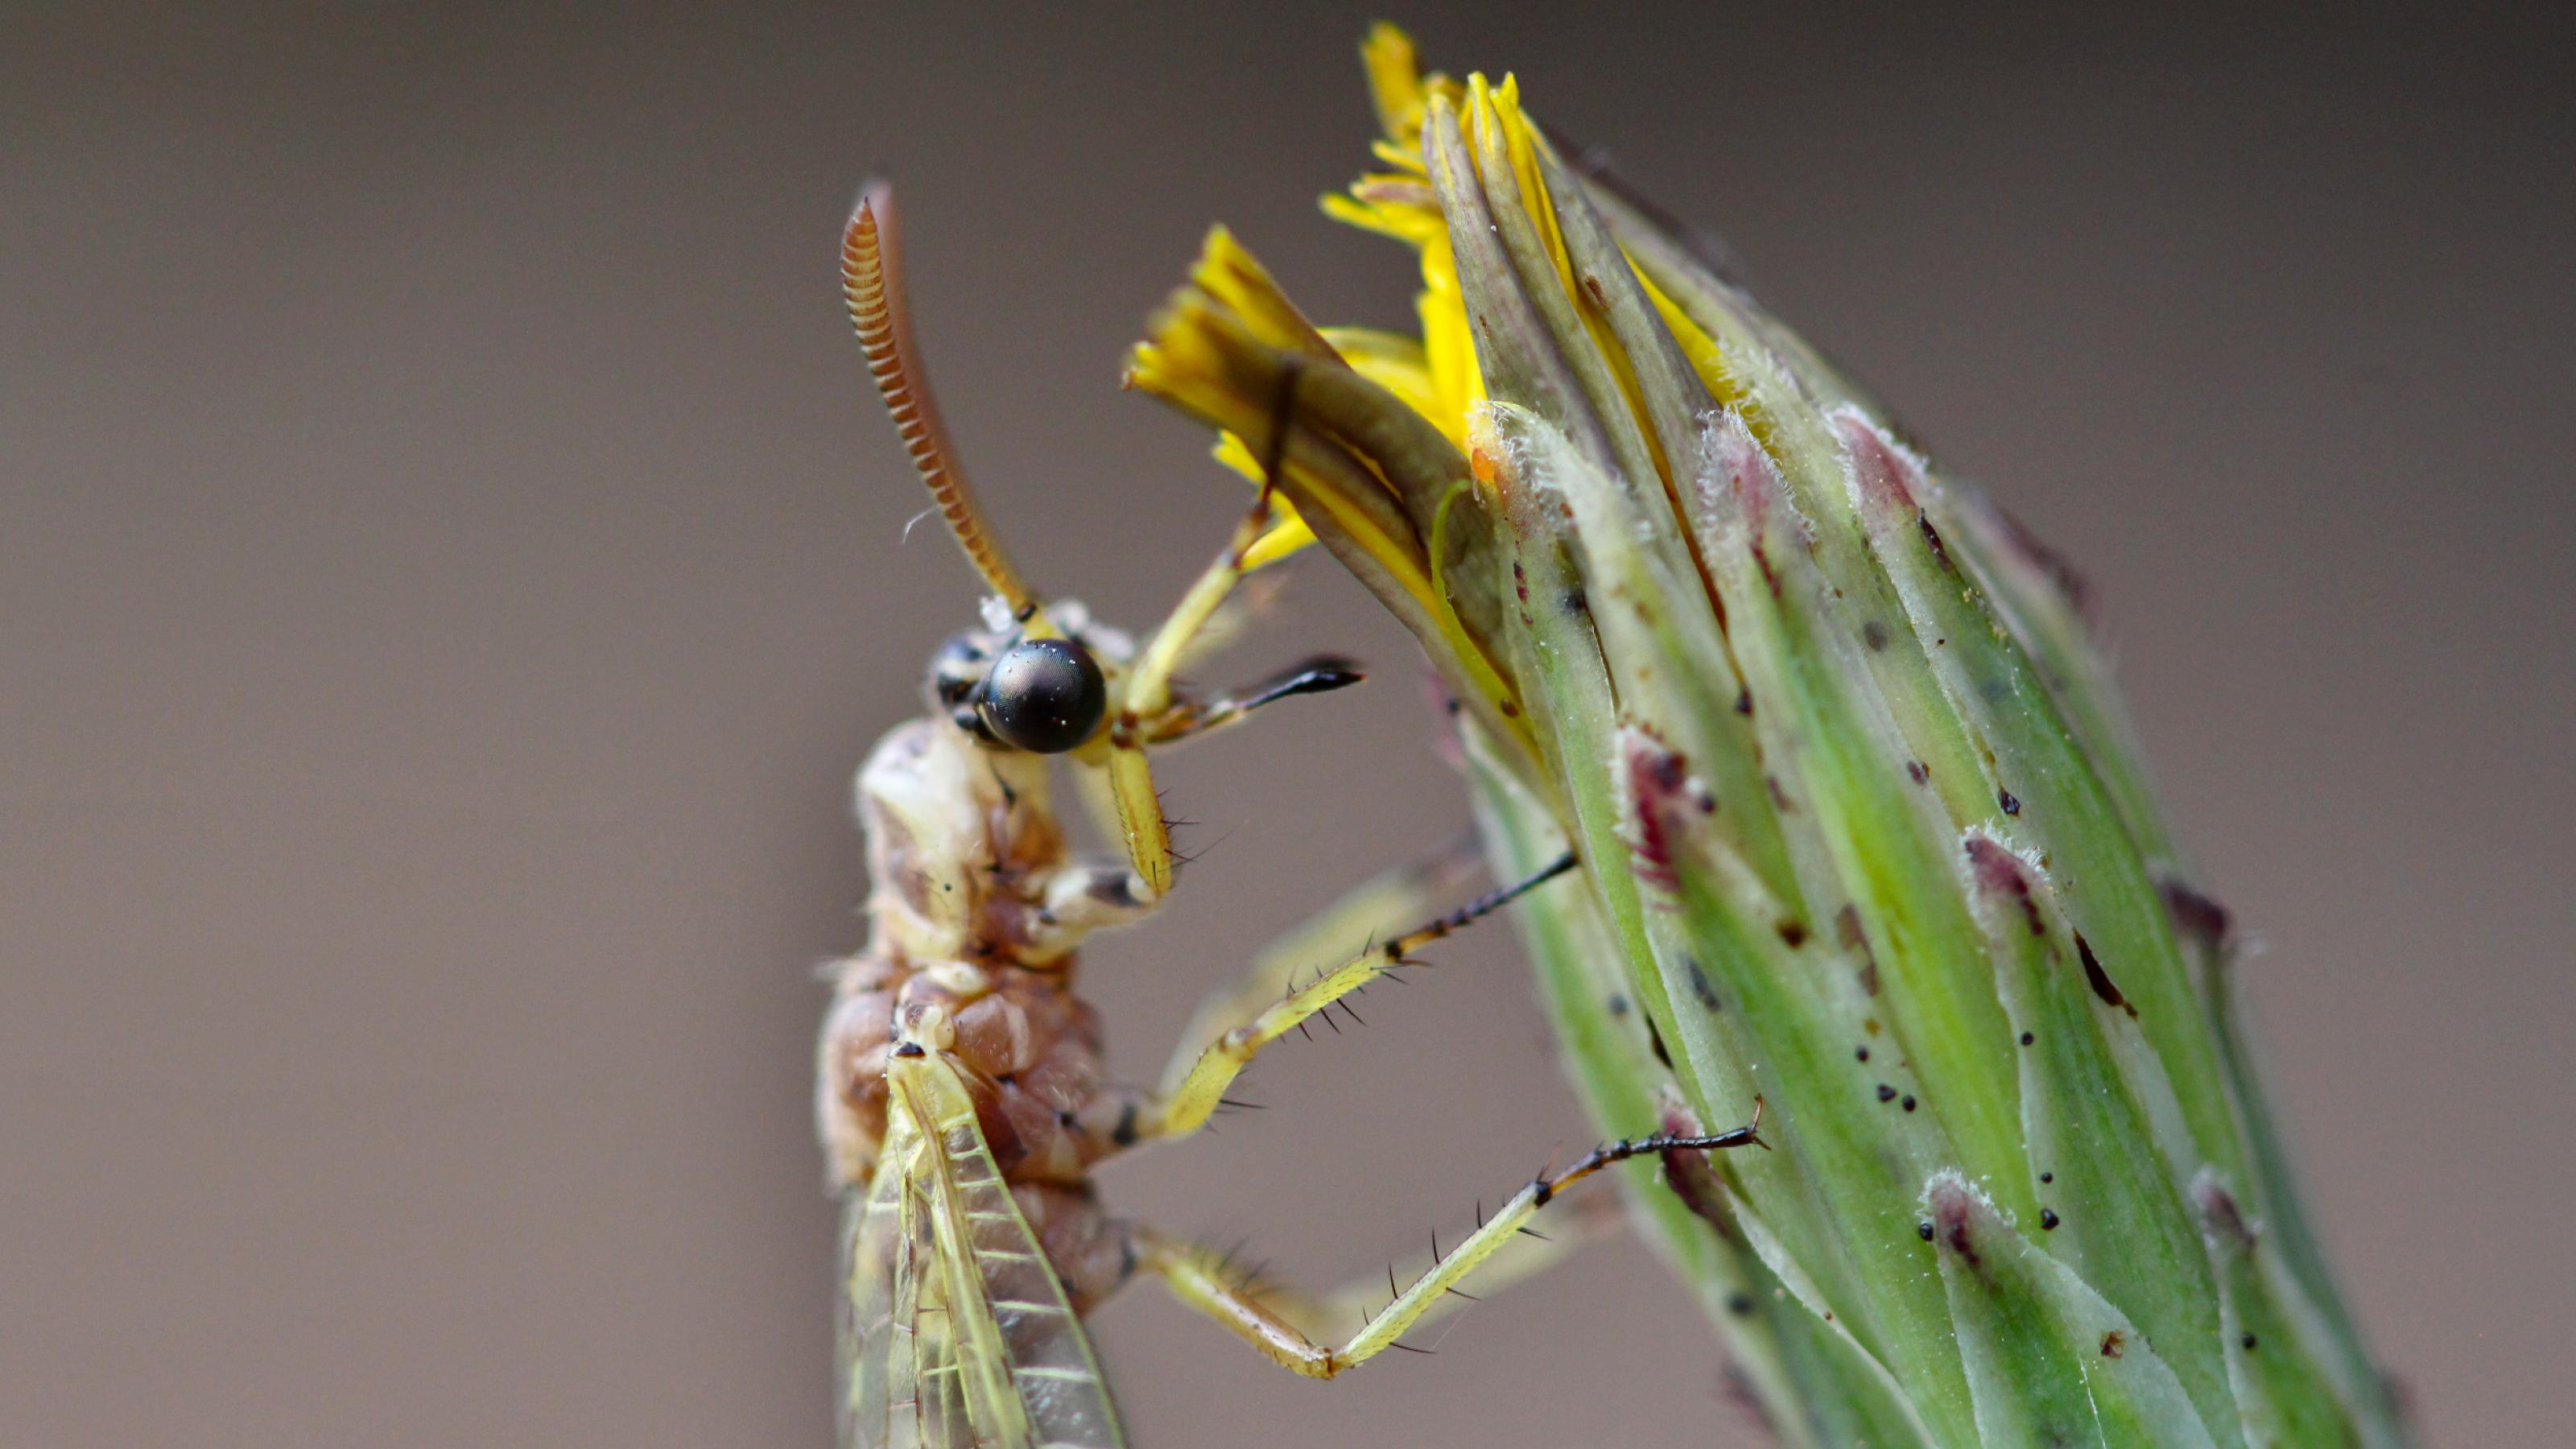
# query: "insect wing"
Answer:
x=887 y=1254
x=956 y=1331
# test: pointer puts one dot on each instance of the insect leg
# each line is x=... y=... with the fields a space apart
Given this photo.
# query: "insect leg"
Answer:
x=1147 y=692
x=1320 y=1317
x=1188 y=719
x=1282 y=1330
x=1198 y=1091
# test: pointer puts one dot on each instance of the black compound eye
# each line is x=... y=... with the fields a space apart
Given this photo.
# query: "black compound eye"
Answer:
x=957 y=670
x=1044 y=695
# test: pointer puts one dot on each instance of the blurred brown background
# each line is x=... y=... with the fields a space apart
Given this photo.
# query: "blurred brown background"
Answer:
x=450 y=566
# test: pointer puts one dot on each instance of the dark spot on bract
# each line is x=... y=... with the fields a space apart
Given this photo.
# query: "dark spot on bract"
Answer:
x=1700 y=988
x=1923 y=1231
x=1739 y=1304
x=2027 y=1038
x=2099 y=979
x=2051 y=563
x=1862 y=1053
x=2195 y=916
x=2005 y=799
x=1918 y=771
x=1886 y=1093
x=1908 y=1102
x=1999 y=873
x=1847 y=930
x=1792 y=932
x=2221 y=1216
x=2112 y=1343
x=2048 y=1177
x=1744 y=701
x=1954 y=1224
x=1874 y=634
x=2047 y=1220
x=1618 y=1004
x=2248 y=1342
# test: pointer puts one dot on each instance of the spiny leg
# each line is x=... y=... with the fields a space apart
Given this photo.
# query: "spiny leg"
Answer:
x=1321 y=1316
x=1200 y=1090
x=1113 y=793
x=1147 y=690
x=1202 y=1282
x=1187 y=719
x=1370 y=912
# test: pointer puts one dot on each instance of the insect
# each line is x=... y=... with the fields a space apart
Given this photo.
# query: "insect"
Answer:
x=961 y=1099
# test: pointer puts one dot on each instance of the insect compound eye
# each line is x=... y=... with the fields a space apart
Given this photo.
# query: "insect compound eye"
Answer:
x=957 y=670
x=1045 y=696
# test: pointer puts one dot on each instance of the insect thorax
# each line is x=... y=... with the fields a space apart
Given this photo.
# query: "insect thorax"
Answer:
x=962 y=846
x=973 y=919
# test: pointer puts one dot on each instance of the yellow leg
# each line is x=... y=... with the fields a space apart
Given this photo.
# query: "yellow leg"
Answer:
x=1187 y=719
x=1287 y=1336
x=1195 y=1095
x=1522 y=1257
x=1369 y=913
x=1146 y=692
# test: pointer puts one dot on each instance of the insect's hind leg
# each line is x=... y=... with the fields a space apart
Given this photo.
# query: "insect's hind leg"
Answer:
x=1287 y=1333
x=1195 y=1267
x=1193 y=1093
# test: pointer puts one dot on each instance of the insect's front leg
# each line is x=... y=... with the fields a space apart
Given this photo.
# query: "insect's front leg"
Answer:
x=1187 y=719
x=1266 y=531
x=1077 y=900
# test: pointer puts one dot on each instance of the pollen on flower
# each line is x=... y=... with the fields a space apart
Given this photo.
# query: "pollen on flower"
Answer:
x=1487 y=454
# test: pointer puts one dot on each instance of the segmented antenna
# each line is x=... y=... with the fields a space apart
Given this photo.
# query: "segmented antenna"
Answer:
x=872 y=281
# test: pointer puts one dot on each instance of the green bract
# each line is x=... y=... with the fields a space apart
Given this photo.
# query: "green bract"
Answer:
x=1862 y=827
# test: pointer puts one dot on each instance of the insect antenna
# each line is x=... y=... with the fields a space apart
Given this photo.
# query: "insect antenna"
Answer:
x=872 y=283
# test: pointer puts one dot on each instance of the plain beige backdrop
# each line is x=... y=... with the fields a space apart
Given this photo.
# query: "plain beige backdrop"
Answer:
x=450 y=562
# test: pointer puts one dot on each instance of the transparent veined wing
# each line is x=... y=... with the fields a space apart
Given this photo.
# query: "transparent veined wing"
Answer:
x=954 y=1330
x=886 y=1252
